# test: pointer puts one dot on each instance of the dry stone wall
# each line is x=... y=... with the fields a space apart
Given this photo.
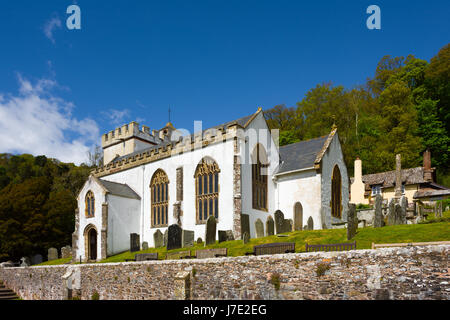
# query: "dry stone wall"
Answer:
x=386 y=273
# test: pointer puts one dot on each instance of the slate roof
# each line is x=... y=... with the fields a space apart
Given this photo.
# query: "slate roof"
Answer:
x=431 y=193
x=387 y=179
x=119 y=189
x=300 y=155
x=241 y=121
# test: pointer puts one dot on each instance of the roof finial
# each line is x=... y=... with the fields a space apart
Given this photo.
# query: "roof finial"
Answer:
x=334 y=126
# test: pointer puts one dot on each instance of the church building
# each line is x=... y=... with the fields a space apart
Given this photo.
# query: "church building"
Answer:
x=153 y=179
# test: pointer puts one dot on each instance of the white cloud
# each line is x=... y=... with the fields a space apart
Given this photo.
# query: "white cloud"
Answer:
x=50 y=26
x=116 y=117
x=36 y=121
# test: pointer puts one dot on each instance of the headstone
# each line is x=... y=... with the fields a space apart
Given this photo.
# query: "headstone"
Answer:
x=246 y=237
x=378 y=220
x=279 y=222
x=222 y=236
x=52 y=254
x=146 y=256
x=187 y=238
x=135 y=243
x=178 y=255
x=305 y=227
x=270 y=226
x=199 y=240
x=210 y=234
x=391 y=212
x=166 y=234
x=145 y=245
x=352 y=221
x=404 y=205
x=398 y=214
x=310 y=223
x=230 y=235
x=158 y=239
x=36 y=259
x=439 y=210
x=25 y=262
x=66 y=252
x=259 y=227
x=174 y=237
x=245 y=224
x=288 y=225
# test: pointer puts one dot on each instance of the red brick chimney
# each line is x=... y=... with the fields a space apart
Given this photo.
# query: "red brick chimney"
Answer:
x=427 y=170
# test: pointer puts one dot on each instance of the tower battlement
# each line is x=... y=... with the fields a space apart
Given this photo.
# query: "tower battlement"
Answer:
x=129 y=131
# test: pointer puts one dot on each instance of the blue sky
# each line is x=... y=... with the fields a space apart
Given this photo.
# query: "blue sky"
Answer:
x=208 y=60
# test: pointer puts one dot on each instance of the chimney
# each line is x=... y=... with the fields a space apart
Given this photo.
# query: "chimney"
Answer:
x=427 y=171
x=358 y=169
x=398 y=176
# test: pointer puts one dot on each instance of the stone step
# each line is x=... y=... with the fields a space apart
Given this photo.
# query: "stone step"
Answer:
x=10 y=297
x=6 y=293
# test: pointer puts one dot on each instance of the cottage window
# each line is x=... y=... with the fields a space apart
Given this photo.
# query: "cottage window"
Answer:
x=207 y=190
x=159 y=190
x=376 y=190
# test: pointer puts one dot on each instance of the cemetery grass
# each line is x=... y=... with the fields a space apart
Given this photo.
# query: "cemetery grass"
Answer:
x=438 y=231
x=54 y=262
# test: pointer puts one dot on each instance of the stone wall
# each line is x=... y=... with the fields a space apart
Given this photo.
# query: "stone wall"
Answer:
x=387 y=273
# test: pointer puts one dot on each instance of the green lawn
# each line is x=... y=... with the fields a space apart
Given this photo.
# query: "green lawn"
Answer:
x=437 y=231
x=54 y=262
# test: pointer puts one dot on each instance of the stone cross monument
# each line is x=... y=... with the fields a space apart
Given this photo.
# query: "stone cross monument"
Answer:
x=398 y=176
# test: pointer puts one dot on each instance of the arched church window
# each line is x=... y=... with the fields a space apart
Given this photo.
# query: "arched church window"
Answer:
x=159 y=189
x=259 y=178
x=207 y=189
x=89 y=205
x=336 y=187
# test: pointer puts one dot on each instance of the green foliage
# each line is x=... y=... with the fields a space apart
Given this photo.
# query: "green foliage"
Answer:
x=321 y=268
x=403 y=109
x=37 y=204
x=275 y=280
x=95 y=296
x=363 y=206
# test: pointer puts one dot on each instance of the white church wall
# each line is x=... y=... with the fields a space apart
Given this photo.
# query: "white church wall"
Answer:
x=96 y=220
x=246 y=171
x=139 y=180
x=123 y=219
x=333 y=156
x=303 y=187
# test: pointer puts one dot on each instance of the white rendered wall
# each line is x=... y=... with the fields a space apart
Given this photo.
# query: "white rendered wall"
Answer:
x=99 y=194
x=246 y=171
x=139 y=180
x=303 y=187
x=123 y=219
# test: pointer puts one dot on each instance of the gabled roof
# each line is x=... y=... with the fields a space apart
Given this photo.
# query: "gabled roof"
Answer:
x=387 y=179
x=118 y=189
x=301 y=155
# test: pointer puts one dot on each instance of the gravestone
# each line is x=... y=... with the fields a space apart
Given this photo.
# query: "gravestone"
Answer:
x=246 y=237
x=310 y=224
x=222 y=236
x=270 y=226
x=378 y=220
x=158 y=239
x=230 y=235
x=174 y=237
x=279 y=222
x=398 y=214
x=245 y=224
x=52 y=254
x=438 y=211
x=25 y=262
x=199 y=240
x=288 y=225
x=145 y=245
x=36 y=259
x=404 y=205
x=352 y=221
x=66 y=252
x=135 y=243
x=391 y=212
x=188 y=238
x=259 y=227
x=166 y=234
x=305 y=227
x=210 y=233
x=146 y=256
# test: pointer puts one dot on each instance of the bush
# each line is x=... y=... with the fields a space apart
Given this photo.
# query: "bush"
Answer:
x=360 y=206
x=275 y=280
x=95 y=296
x=322 y=268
